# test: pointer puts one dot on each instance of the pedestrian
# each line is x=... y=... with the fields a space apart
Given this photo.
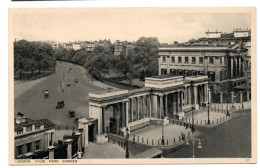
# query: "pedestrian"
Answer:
x=134 y=139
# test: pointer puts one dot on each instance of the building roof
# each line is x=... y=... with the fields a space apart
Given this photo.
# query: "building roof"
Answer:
x=28 y=122
x=195 y=48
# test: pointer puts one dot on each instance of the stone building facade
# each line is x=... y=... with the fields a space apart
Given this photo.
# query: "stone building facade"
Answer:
x=224 y=66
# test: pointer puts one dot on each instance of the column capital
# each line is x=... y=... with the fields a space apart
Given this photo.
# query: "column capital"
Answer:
x=161 y=95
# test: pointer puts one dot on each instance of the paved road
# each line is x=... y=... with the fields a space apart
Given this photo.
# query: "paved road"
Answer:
x=231 y=139
x=32 y=103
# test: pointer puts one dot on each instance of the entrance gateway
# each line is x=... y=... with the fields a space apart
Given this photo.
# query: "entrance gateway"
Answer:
x=112 y=111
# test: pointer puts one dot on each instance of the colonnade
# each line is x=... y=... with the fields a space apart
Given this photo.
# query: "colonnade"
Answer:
x=236 y=66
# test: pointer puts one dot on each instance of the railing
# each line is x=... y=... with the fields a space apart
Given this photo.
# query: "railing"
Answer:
x=178 y=140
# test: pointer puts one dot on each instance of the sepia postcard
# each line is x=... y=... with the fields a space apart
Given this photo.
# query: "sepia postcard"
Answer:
x=132 y=85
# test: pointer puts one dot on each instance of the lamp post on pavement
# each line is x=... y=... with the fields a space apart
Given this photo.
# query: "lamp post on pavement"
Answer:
x=227 y=107
x=193 y=138
x=162 y=131
x=126 y=143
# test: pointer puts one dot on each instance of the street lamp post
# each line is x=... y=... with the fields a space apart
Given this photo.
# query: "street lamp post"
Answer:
x=126 y=143
x=227 y=108
x=162 y=131
x=208 y=108
x=193 y=138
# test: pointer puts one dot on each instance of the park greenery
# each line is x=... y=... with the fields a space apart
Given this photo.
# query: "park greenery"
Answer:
x=137 y=62
x=32 y=58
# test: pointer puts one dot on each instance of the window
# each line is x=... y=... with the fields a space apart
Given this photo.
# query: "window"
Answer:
x=19 y=150
x=211 y=60
x=37 y=145
x=37 y=127
x=179 y=60
x=19 y=132
x=164 y=59
x=29 y=128
x=194 y=60
x=186 y=60
x=173 y=59
x=28 y=147
x=201 y=60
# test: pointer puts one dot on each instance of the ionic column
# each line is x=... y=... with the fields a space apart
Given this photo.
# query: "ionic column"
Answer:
x=137 y=105
x=189 y=95
x=150 y=105
x=239 y=71
x=241 y=97
x=178 y=102
x=181 y=102
x=221 y=97
x=185 y=95
x=231 y=67
x=195 y=95
x=48 y=138
x=166 y=105
x=86 y=135
x=126 y=118
x=235 y=66
x=173 y=108
x=205 y=93
x=161 y=105
x=144 y=105
x=132 y=109
x=232 y=97
x=69 y=149
x=123 y=114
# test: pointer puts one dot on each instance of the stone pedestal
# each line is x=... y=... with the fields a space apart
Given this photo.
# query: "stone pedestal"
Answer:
x=78 y=134
x=101 y=139
x=69 y=148
x=83 y=127
x=51 y=152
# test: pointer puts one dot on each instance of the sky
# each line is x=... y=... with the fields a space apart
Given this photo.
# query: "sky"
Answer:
x=89 y=24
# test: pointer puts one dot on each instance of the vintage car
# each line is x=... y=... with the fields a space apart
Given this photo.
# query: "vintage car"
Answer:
x=71 y=114
x=46 y=93
x=60 y=104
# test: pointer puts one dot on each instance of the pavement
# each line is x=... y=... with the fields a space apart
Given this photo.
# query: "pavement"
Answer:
x=231 y=139
x=154 y=133
x=103 y=151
